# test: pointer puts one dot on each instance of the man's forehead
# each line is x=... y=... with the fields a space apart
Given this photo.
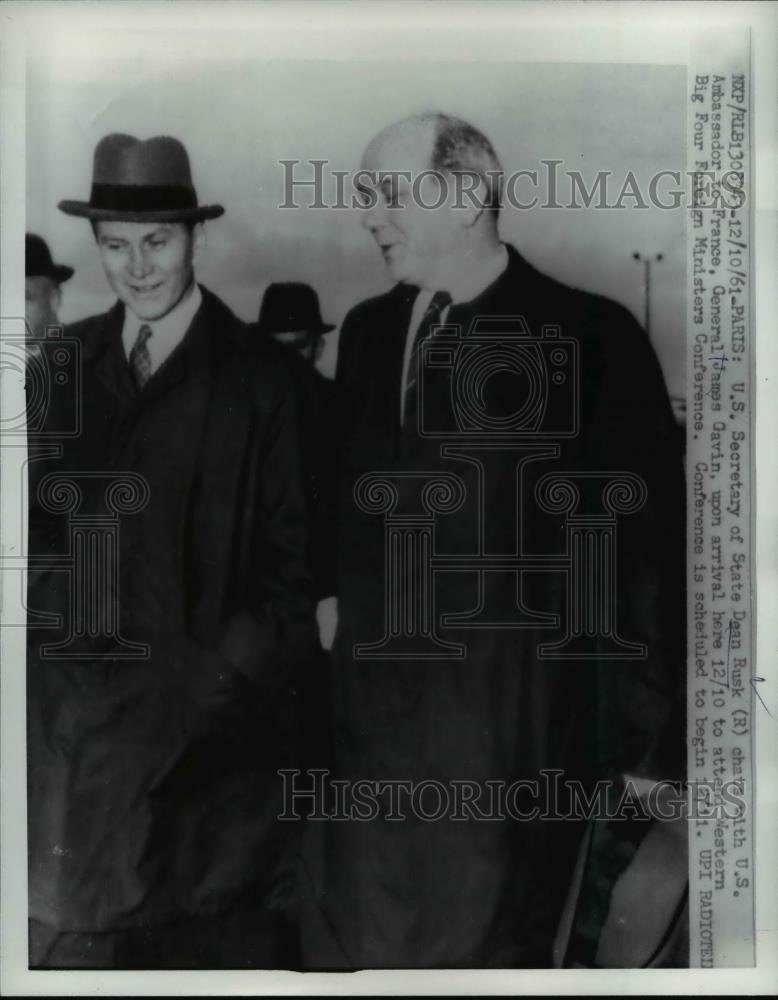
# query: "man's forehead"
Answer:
x=405 y=146
x=133 y=230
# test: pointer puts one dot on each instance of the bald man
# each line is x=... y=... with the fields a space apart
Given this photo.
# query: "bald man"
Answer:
x=464 y=697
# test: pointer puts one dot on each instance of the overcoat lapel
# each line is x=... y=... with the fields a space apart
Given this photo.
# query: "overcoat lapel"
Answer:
x=104 y=356
x=192 y=358
x=227 y=482
x=388 y=343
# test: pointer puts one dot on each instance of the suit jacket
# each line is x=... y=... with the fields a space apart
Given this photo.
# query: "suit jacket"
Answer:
x=152 y=782
x=490 y=893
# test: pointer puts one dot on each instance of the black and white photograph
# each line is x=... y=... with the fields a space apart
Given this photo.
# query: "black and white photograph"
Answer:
x=383 y=438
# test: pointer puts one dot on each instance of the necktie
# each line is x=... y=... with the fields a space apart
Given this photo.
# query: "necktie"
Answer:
x=431 y=318
x=140 y=359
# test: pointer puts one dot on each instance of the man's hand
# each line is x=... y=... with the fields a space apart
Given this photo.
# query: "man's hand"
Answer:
x=327 y=619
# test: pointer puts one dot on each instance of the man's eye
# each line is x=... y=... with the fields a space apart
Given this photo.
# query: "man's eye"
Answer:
x=158 y=243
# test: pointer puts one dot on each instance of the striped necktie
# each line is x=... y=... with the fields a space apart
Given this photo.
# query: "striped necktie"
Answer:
x=431 y=318
x=140 y=359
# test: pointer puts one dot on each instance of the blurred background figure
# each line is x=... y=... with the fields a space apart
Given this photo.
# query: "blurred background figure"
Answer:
x=291 y=316
x=42 y=297
x=42 y=293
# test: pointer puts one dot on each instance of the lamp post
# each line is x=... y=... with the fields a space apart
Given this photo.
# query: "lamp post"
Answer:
x=647 y=262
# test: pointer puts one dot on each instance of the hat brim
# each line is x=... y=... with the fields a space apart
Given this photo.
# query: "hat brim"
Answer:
x=83 y=210
x=57 y=272
x=61 y=272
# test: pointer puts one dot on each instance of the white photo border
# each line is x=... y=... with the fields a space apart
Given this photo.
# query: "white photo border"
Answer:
x=653 y=32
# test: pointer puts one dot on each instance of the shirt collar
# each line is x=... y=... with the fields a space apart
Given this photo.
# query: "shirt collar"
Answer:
x=168 y=331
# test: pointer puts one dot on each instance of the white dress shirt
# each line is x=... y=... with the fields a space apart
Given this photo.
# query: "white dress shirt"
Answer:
x=166 y=333
x=475 y=283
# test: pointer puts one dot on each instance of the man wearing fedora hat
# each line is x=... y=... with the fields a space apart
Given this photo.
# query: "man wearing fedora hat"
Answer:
x=42 y=293
x=154 y=786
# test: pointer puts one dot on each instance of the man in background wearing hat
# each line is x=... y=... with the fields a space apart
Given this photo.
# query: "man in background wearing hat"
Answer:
x=290 y=314
x=42 y=293
x=154 y=791
x=42 y=297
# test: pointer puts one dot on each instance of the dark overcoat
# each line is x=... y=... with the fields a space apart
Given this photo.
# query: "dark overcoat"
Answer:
x=453 y=892
x=153 y=785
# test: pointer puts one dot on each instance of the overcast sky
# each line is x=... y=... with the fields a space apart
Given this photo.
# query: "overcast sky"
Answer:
x=239 y=115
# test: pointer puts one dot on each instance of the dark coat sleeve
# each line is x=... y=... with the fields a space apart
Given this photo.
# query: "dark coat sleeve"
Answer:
x=347 y=371
x=270 y=631
x=316 y=400
x=629 y=427
x=344 y=415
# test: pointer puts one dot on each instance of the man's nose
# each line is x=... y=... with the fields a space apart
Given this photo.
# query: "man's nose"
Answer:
x=373 y=217
x=140 y=263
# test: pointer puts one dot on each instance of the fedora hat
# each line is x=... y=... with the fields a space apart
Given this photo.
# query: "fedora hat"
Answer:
x=291 y=307
x=38 y=262
x=136 y=180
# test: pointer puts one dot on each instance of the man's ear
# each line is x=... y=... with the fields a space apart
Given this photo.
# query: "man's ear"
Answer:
x=198 y=241
x=471 y=198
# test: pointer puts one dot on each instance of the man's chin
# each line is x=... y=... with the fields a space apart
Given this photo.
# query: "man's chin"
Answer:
x=398 y=273
x=147 y=310
x=404 y=270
